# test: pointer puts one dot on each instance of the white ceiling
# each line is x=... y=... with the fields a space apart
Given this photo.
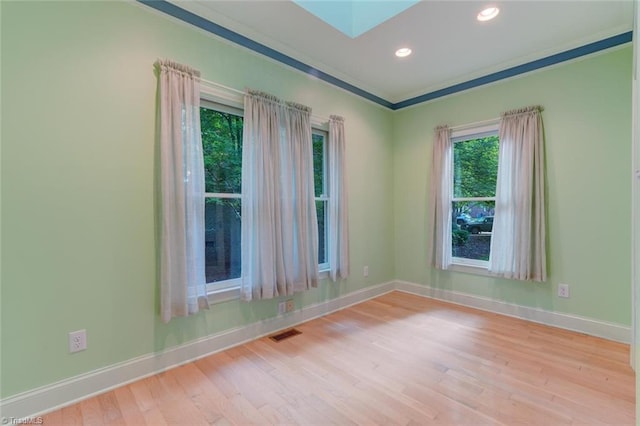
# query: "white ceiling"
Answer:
x=449 y=45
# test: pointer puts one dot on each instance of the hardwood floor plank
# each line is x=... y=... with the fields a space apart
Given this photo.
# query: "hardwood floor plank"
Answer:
x=91 y=412
x=70 y=415
x=142 y=395
x=110 y=408
x=126 y=401
x=213 y=397
x=53 y=418
x=154 y=417
x=399 y=359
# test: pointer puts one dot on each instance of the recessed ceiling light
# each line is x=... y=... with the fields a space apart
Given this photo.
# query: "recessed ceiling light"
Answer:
x=488 y=13
x=403 y=52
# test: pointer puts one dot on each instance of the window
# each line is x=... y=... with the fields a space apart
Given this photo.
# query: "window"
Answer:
x=321 y=184
x=222 y=152
x=221 y=128
x=467 y=186
x=475 y=171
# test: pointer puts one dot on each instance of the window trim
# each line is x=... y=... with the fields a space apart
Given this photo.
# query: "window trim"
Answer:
x=462 y=134
x=485 y=128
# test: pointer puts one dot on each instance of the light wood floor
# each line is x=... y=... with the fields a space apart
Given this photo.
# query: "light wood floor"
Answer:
x=395 y=360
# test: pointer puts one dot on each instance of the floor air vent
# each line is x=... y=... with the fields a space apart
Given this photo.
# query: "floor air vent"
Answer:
x=285 y=335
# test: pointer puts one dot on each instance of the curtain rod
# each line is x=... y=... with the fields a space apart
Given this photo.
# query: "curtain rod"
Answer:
x=488 y=122
x=476 y=124
x=314 y=117
x=212 y=83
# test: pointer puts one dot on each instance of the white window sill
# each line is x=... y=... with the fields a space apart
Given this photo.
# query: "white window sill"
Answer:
x=470 y=269
x=233 y=293
x=224 y=295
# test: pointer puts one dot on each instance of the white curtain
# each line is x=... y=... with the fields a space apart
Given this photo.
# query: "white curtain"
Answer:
x=338 y=211
x=279 y=224
x=518 y=244
x=439 y=209
x=182 y=277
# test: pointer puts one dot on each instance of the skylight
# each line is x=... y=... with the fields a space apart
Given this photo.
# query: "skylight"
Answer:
x=355 y=17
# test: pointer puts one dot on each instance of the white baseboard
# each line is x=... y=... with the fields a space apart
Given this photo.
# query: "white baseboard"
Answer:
x=607 y=330
x=51 y=397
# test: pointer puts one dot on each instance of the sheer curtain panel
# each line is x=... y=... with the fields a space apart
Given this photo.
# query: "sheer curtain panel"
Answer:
x=182 y=278
x=279 y=225
x=518 y=244
x=338 y=210
x=439 y=209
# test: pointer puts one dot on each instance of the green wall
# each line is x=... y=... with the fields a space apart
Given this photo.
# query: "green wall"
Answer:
x=636 y=218
x=78 y=208
x=587 y=120
x=78 y=199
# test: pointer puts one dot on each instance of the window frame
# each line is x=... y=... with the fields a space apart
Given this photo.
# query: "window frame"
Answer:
x=225 y=289
x=324 y=197
x=232 y=103
x=463 y=134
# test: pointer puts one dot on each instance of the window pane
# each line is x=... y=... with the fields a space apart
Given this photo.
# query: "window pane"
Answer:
x=475 y=167
x=222 y=239
x=321 y=210
x=318 y=164
x=222 y=151
x=472 y=229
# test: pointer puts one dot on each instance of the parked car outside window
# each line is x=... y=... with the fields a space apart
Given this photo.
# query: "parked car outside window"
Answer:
x=481 y=225
x=463 y=219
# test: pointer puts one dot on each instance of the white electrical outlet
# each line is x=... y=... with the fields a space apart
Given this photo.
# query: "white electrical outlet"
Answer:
x=563 y=290
x=289 y=305
x=365 y=271
x=77 y=341
x=282 y=308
